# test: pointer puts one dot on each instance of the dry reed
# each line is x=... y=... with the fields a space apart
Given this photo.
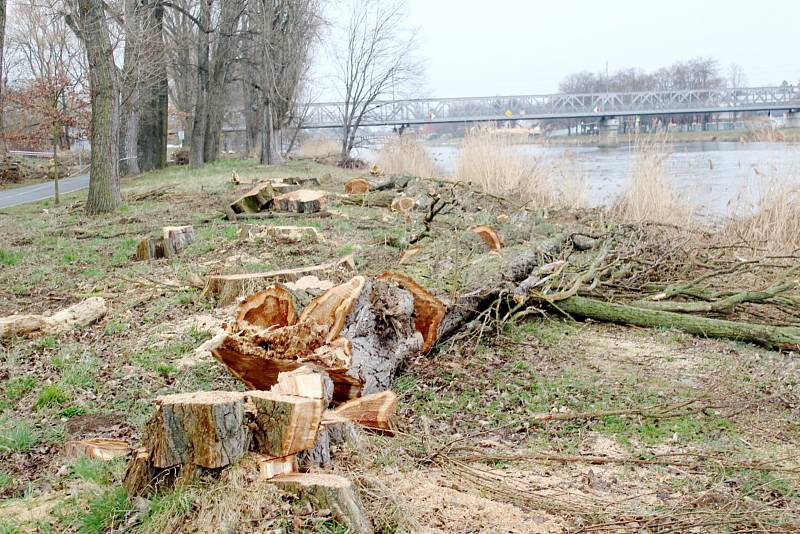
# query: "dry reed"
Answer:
x=318 y=148
x=405 y=155
x=496 y=164
x=648 y=195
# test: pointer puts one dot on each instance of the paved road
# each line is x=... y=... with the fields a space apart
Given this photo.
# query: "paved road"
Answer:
x=32 y=193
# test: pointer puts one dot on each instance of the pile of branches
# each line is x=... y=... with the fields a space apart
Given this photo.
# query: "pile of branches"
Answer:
x=655 y=275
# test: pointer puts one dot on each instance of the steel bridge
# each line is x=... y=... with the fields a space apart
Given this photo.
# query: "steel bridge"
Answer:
x=559 y=106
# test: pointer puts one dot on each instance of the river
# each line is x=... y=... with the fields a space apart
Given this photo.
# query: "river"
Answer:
x=709 y=174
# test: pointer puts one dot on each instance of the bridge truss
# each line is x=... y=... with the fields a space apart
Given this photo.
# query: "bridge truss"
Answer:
x=560 y=106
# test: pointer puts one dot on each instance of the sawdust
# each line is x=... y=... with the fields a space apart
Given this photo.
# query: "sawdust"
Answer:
x=442 y=505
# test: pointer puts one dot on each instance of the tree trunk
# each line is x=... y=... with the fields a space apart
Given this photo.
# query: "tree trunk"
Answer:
x=775 y=337
x=153 y=128
x=104 y=193
x=3 y=146
x=196 y=155
x=270 y=155
x=129 y=161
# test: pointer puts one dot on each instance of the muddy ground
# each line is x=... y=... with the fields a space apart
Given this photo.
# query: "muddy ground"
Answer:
x=548 y=425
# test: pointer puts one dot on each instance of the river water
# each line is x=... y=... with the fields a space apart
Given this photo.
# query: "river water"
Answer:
x=708 y=174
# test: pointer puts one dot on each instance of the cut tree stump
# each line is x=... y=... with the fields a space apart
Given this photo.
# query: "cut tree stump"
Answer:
x=428 y=309
x=171 y=243
x=281 y=234
x=82 y=314
x=140 y=474
x=255 y=200
x=356 y=186
x=371 y=411
x=301 y=201
x=489 y=235
x=274 y=306
x=402 y=204
x=284 y=424
x=282 y=187
x=332 y=492
x=97 y=448
x=227 y=288
x=205 y=428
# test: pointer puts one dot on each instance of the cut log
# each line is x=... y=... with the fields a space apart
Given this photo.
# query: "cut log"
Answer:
x=332 y=492
x=301 y=201
x=428 y=310
x=177 y=238
x=283 y=187
x=97 y=448
x=205 y=428
x=227 y=288
x=269 y=468
x=773 y=337
x=274 y=306
x=282 y=215
x=171 y=243
x=281 y=234
x=371 y=411
x=376 y=199
x=82 y=314
x=356 y=186
x=489 y=235
x=305 y=382
x=402 y=204
x=284 y=424
x=256 y=199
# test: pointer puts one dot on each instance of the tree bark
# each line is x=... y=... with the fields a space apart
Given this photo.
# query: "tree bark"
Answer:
x=197 y=145
x=3 y=145
x=129 y=158
x=774 y=337
x=104 y=193
x=270 y=155
x=153 y=126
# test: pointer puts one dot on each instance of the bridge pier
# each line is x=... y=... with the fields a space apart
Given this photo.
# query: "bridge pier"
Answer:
x=792 y=119
x=607 y=128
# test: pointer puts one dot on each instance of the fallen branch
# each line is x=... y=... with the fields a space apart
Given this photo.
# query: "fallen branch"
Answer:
x=81 y=314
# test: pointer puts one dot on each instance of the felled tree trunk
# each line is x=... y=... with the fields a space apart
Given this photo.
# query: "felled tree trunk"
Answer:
x=256 y=199
x=774 y=337
x=301 y=201
x=81 y=314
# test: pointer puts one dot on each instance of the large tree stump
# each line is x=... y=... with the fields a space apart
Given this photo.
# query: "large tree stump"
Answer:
x=256 y=199
x=82 y=314
x=332 y=492
x=301 y=201
x=97 y=448
x=206 y=429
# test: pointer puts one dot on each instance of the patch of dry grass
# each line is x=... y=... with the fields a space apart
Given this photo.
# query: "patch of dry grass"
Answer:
x=495 y=163
x=318 y=148
x=648 y=194
x=406 y=155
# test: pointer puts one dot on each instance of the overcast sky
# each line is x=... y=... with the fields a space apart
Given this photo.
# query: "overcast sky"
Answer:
x=480 y=47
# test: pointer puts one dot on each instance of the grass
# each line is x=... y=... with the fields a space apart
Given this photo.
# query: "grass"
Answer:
x=318 y=148
x=17 y=435
x=107 y=510
x=10 y=257
x=51 y=396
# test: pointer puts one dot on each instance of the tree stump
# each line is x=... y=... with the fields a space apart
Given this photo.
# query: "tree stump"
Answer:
x=97 y=448
x=333 y=492
x=301 y=201
x=206 y=429
x=356 y=186
x=171 y=243
x=281 y=234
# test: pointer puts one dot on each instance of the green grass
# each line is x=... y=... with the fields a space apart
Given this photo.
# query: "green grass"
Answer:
x=51 y=396
x=6 y=479
x=104 y=511
x=98 y=471
x=17 y=435
x=10 y=257
x=16 y=388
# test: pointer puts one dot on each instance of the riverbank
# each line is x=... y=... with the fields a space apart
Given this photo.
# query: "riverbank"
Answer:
x=765 y=135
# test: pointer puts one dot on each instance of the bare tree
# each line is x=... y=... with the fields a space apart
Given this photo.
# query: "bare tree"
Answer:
x=284 y=33
x=377 y=56
x=87 y=18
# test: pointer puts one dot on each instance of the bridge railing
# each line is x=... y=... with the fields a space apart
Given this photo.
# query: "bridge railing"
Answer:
x=330 y=114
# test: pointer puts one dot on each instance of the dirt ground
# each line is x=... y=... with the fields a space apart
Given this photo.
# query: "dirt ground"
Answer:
x=547 y=426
